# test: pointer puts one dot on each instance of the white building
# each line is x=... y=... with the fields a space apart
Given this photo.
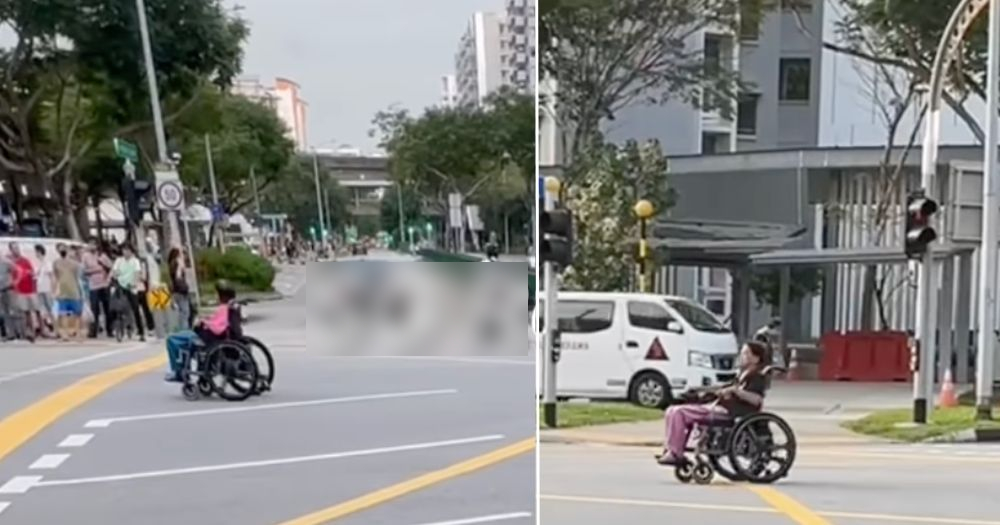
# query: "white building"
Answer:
x=479 y=61
x=449 y=91
x=284 y=97
x=518 y=46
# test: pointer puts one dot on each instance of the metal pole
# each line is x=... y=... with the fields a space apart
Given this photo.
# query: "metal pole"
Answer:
x=319 y=198
x=194 y=267
x=256 y=194
x=137 y=230
x=643 y=288
x=215 y=191
x=402 y=219
x=987 y=341
x=923 y=379
x=154 y=100
x=551 y=323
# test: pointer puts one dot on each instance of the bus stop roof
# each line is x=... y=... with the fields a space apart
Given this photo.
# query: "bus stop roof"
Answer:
x=695 y=242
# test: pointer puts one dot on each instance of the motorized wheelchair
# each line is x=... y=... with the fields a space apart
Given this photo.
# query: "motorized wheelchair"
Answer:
x=227 y=366
x=758 y=448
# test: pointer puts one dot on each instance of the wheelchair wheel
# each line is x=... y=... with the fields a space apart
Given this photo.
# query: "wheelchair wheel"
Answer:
x=762 y=448
x=190 y=392
x=231 y=371
x=265 y=363
x=703 y=473
x=205 y=387
x=684 y=473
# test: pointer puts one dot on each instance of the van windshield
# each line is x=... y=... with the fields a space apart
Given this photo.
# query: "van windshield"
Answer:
x=698 y=317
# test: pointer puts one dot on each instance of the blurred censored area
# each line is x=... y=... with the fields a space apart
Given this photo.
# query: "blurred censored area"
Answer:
x=371 y=308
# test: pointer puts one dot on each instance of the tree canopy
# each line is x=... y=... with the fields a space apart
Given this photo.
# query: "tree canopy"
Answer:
x=74 y=78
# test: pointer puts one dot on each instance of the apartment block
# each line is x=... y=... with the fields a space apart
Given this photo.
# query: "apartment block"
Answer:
x=478 y=62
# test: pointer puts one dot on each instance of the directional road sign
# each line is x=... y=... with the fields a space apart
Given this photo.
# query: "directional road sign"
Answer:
x=126 y=150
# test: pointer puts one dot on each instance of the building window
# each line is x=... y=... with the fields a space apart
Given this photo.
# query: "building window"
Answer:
x=746 y=114
x=794 y=79
x=713 y=53
x=750 y=20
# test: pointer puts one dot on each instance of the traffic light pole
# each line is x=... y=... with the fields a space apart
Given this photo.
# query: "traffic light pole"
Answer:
x=551 y=323
x=986 y=338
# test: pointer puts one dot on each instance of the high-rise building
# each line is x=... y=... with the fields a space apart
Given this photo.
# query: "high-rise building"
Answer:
x=449 y=91
x=284 y=97
x=479 y=61
x=518 y=46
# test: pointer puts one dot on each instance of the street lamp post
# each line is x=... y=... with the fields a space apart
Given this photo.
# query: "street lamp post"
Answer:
x=161 y=134
x=644 y=210
x=961 y=21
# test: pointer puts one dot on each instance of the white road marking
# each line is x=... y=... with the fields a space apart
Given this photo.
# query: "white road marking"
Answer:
x=76 y=440
x=19 y=484
x=65 y=364
x=3 y=506
x=106 y=422
x=254 y=464
x=49 y=461
x=484 y=519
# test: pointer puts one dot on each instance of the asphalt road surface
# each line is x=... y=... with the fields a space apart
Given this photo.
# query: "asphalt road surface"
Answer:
x=858 y=484
x=374 y=441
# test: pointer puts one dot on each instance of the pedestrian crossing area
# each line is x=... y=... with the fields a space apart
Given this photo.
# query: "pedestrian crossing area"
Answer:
x=289 y=280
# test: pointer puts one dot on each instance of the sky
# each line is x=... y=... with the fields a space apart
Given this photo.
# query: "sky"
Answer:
x=353 y=58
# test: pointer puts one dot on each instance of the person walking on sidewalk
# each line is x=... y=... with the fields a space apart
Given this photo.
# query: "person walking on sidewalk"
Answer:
x=127 y=271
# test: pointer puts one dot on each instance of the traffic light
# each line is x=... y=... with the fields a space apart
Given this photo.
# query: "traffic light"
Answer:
x=556 y=244
x=138 y=197
x=919 y=233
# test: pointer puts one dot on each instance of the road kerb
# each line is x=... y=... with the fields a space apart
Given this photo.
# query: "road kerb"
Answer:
x=398 y=490
x=19 y=427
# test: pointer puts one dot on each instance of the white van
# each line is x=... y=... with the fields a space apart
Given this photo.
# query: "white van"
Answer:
x=645 y=348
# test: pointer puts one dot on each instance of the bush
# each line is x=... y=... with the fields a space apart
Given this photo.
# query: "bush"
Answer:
x=237 y=265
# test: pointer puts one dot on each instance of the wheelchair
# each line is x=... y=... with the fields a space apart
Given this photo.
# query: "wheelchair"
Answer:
x=759 y=448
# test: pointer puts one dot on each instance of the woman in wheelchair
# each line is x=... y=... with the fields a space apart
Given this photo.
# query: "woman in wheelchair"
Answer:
x=216 y=327
x=742 y=397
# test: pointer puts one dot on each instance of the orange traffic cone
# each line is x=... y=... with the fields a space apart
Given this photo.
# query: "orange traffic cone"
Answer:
x=947 y=398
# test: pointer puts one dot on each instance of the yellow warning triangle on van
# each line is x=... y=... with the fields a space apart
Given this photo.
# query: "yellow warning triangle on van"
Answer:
x=656 y=351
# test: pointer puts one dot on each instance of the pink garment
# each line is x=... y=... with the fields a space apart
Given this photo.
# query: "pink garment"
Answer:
x=680 y=419
x=218 y=322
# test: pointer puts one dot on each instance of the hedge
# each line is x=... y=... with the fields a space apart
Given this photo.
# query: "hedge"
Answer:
x=237 y=265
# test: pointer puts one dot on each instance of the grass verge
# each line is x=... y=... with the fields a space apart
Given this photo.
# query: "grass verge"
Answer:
x=571 y=415
x=892 y=424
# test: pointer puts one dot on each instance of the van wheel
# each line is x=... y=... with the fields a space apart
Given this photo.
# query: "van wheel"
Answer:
x=650 y=390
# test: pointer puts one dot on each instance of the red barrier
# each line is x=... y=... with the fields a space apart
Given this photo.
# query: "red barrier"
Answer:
x=864 y=356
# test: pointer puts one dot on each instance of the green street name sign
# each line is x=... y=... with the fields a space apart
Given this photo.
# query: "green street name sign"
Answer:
x=126 y=150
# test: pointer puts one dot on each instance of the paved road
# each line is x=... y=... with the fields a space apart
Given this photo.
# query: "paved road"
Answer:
x=856 y=484
x=398 y=432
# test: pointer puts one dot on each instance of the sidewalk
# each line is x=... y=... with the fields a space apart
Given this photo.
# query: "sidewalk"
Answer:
x=813 y=409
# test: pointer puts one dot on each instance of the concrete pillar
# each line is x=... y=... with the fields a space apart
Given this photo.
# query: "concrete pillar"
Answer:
x=963 y=310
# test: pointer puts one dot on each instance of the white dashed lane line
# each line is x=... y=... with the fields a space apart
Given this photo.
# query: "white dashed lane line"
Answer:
x=49 y=462
x=76 y=440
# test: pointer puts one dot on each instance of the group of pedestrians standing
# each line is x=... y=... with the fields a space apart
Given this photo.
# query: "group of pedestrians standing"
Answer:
x=83 y=290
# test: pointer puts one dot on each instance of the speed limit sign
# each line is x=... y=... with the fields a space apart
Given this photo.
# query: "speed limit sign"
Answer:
x=170 y=195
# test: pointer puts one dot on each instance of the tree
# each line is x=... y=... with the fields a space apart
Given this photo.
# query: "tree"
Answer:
x=606 y=229
x=389 y=213
x=604 y=56
x=245 y=135
x=903 y=35
x=485 y=154
x=74 y=77
x=296 y=196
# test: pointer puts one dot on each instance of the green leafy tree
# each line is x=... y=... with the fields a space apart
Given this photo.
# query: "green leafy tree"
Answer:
x=296 y=196
x=604 y=56
x=73 y=78
x=804 y=282
x=244 y=135
x=606 y=229
x=389 y=212
x=486 y=154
